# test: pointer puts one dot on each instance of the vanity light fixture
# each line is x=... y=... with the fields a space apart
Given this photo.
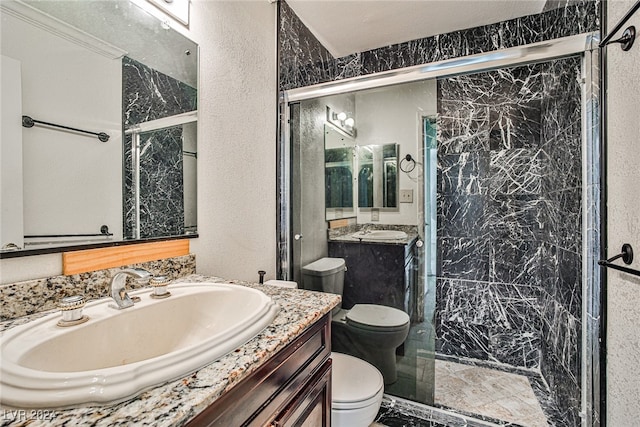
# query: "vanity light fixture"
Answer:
x=176 y=9
x=342 y=121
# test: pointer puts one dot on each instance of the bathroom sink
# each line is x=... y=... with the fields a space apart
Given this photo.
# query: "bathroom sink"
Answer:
x=118 y=353
x=380 y=235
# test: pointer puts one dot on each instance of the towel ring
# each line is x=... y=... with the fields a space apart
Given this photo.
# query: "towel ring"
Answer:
x=410 y=161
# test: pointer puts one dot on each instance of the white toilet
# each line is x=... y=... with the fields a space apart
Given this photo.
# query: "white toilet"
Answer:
x=356 y=391
x=368 y=331
x=356 y=386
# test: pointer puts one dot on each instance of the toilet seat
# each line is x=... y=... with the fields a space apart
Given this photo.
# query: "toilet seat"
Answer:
x=354 y=383
x=377 y=317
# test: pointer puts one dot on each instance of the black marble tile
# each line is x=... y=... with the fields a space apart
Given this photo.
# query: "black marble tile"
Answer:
x=463 y=173
x=569 y=290
x=561 y=161
x=516 y=261
x=461 y=127
x=347 y=67
x=564 y=391
x=515 y=126
x=463 y=258
x=521 y=350
x=396 y=412
x=516 y=218
x=574 y=18
x=463 y=339
x=488 y=321
x=457 y=216
x=569 y=222
x=149 y=95
x=549 y=267
x=516 y=172
x=399 y=55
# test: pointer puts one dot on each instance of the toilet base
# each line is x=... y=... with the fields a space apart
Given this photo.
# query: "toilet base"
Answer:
x=343 y=340
x=360 y=417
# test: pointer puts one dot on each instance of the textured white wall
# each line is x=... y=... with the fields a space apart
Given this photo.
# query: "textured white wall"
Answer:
x=236 y=144
x=237 y=138
x=623 y=179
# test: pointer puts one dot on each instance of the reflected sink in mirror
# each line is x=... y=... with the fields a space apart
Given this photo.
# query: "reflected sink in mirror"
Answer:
x=118 y=353
x=380 y=235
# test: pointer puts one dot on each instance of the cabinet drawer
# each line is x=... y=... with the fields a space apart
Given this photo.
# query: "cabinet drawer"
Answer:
x=312 y=407
x=257 y=399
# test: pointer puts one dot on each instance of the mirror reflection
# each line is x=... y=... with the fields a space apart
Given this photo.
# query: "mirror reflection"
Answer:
x=378 y=176
x=339 y=155
x=363 y=176
x=103 y=67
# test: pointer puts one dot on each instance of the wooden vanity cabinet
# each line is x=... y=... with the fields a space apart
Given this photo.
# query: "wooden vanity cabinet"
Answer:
x=293 y=388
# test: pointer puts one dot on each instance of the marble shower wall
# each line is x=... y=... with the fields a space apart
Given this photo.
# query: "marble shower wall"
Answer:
x=509 y=222
x=489 y=207
x=149 y=95
x=304 y=61
x=561 y=293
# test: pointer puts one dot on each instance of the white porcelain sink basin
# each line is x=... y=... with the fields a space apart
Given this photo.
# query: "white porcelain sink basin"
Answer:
x=118 y=353
x=380 y=235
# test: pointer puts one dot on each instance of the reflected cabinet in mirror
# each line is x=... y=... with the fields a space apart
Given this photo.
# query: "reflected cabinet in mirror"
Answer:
x=99 y=126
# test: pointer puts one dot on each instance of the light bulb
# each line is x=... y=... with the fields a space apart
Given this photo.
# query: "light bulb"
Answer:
x=349 y=122
x=342 y=116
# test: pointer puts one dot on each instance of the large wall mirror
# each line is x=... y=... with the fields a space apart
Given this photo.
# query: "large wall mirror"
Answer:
x=99 y=126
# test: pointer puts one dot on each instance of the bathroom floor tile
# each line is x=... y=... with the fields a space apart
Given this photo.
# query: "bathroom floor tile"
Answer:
x=487 y=392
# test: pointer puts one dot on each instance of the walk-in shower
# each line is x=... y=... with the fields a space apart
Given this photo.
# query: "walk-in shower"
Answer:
x=498 y=271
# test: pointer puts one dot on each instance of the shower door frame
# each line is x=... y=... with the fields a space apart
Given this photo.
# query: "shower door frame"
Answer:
x=135 y=131
x=593 y=369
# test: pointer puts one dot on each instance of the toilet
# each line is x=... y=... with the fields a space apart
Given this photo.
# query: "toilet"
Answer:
x=367 y=331
x=356 y=391
x=356 y=386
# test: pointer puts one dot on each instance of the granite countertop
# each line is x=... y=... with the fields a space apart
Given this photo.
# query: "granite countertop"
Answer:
x=176 y=402
x=412 y=236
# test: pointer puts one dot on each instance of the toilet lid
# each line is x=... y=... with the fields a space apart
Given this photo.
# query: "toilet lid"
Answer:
x=378 y=316
x=353 y=381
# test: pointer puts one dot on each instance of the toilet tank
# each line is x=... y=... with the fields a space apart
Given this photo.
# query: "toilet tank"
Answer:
x=325 y=274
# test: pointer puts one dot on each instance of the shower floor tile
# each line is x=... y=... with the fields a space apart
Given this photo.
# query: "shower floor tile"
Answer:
x=487 y=392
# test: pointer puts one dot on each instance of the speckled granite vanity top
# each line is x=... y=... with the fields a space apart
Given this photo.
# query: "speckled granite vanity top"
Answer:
x=176 y=402
x=346 y=234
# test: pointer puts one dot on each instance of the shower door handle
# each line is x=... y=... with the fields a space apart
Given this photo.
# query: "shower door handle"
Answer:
x=297 y=237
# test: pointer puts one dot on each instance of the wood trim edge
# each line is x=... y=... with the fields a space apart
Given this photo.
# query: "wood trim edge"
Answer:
x=99 y=259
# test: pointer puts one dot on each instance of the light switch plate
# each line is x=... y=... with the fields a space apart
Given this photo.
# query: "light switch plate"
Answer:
x=406 y=196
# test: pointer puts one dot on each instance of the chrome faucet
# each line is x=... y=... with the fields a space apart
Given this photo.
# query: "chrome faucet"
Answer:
x=118 y=281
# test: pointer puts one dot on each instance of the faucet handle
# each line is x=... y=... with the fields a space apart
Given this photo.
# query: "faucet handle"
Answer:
x=159 y=285
x=71 y=308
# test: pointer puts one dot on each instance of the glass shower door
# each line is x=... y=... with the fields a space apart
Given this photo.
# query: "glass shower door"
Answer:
x=393 y=273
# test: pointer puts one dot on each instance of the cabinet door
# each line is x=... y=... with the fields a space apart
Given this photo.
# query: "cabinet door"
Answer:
x=312 y=406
